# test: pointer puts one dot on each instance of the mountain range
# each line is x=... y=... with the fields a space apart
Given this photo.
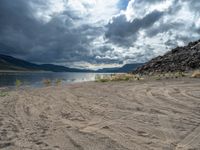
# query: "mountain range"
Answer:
x=9 y=63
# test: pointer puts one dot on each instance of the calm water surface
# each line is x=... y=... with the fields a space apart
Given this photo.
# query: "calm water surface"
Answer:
x=36 y=79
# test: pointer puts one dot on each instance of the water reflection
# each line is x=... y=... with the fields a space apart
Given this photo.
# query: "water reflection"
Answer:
x=37 y=78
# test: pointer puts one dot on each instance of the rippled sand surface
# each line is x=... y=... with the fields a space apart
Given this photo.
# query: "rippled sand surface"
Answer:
x=145 y=115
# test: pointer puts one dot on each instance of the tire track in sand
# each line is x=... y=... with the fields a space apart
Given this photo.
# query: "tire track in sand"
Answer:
x=185 y=93
x=166 y=127
x=98 y=125
x=191 y=140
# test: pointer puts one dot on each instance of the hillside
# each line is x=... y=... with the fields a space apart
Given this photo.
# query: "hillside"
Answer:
x=14 y=64
x=179 y=59
x=11 y=63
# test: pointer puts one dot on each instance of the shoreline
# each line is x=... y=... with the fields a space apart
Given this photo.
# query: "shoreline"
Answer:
x=65 y=84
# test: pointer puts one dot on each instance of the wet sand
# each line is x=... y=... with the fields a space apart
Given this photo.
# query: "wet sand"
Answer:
x=143 y=115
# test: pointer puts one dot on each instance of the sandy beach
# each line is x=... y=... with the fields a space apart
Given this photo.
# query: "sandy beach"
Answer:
x=140 y=115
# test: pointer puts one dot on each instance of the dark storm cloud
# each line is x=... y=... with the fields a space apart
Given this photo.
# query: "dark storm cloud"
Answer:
x=120 y=29
x=24 y=36
x=17 y=25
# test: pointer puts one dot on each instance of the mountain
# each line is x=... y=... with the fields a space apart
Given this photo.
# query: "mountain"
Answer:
x=14 y=64
x=125 y=68
x=56 y=68
x=179 y=59
x=11 y=63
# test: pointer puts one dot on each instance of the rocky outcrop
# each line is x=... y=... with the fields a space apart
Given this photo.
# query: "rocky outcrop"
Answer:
x=179 y=59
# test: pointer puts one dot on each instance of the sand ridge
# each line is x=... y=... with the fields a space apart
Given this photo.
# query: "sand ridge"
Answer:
x=143 y=115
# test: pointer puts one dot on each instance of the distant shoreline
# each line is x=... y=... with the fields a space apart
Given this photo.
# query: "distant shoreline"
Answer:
x=17 y=71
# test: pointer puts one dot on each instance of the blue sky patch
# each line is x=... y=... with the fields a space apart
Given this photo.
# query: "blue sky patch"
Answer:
x=123 y=4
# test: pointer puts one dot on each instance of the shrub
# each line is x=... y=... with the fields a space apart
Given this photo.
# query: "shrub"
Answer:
x=46 y=82
x=179 y=74
x=58 y=82
x=97 y=78
x=103 y=78
x=18 y=83
x=118 y=77
x=158 y=77
x=3 y=94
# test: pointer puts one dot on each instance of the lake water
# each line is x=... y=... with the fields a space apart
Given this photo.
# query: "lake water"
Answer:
x=37 y=78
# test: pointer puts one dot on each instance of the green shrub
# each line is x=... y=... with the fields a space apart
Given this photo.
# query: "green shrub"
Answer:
x=3 y=94
x=18 y=83
x=103 y=78
x=58 y=82
x=47 y=82
x=158 y=77
x=179 y=74
x=97 y=78
x=118 y=77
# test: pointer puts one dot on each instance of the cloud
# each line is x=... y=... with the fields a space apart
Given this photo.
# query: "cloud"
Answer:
x=36 y=30
x=71 y=32
x=150 y=28
x=120 y=29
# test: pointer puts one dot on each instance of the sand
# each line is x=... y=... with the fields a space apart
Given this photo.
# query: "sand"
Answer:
x=143 y=115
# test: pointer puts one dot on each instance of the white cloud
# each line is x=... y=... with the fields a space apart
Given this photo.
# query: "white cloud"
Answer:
x=45 y=10
x=95 y=11
x=141 y=8
x=178 y=25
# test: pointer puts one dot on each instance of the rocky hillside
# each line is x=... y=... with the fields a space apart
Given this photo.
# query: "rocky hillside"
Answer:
x=179 y=59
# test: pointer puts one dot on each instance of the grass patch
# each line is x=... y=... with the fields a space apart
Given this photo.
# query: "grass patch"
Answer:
x=158 y=77
x=47 y=82
x=118 y=77
x=179 y=74
x=58 y=82
x=168 y=75
x=3 y=94
x=137 y=77
x=18 y=83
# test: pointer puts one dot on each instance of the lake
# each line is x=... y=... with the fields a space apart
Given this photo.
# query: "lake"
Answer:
x=36 y=79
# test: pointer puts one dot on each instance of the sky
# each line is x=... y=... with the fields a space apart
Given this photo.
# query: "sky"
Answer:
x=96 y=33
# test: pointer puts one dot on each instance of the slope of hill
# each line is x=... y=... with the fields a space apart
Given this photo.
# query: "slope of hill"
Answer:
x=11 y=63
x=179 y=59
